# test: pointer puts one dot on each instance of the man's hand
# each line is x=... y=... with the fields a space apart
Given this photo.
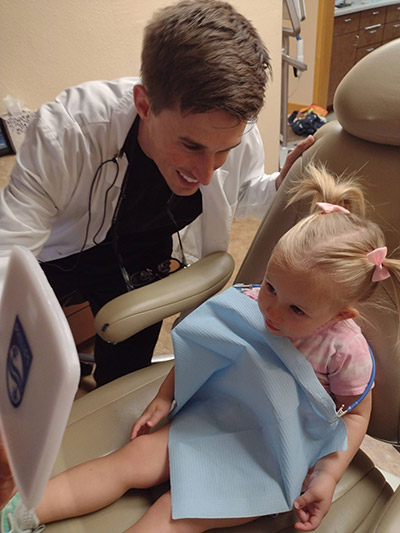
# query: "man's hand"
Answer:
x=292 y=157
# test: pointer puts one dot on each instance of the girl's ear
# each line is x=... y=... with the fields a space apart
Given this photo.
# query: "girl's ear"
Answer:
x=347 y=312
x=142 y=102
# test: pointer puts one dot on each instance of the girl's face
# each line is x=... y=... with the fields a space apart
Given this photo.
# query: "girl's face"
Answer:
x=294 y=306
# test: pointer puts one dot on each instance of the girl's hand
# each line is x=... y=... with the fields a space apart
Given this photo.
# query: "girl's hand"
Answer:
x=312 y=506
x=152 y=415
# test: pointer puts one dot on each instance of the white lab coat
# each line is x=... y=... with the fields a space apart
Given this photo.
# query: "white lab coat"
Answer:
x=45 y=206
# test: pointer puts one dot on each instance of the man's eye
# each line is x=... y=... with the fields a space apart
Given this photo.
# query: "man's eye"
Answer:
x=297 y=310
x=192 y=147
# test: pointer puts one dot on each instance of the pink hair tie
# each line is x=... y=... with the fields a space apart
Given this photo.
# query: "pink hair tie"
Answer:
x=331 y=208
x=376 y=257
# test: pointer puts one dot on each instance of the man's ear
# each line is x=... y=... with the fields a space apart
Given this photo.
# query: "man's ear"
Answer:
x=142 y=103
x=347 y=312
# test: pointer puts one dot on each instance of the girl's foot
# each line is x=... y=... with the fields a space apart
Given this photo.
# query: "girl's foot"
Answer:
x=16 y=518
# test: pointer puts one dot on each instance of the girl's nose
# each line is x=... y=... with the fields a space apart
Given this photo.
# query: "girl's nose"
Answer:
x=274 y=314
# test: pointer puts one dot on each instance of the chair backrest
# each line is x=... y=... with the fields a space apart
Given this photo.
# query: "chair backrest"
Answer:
x=364 y=140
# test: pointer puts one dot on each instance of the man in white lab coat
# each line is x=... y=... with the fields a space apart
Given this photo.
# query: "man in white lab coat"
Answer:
x=110 y=171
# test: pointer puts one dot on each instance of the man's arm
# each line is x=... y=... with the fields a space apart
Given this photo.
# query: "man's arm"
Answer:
x=22 y=221
x=41 y=184
x=301 y=147
x=257 y=189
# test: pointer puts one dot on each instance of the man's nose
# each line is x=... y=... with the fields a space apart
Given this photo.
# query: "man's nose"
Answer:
x=207 y=164
x=205 y=167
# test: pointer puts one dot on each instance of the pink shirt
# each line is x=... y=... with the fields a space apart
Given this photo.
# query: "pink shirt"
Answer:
x=338 y=353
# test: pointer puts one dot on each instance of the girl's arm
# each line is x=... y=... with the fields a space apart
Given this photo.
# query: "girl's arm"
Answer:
x=157 y=409
x=314 y=503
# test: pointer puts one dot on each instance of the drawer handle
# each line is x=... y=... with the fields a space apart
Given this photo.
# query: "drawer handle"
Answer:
x=396 y=26
x=375 y=12
x=348 y=20
x=375 y=26
x=370 y=49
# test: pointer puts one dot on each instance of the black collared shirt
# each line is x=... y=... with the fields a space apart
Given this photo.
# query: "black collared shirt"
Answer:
x=143 y=228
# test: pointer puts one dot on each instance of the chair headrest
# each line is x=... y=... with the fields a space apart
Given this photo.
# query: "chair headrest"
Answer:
x=367 y=102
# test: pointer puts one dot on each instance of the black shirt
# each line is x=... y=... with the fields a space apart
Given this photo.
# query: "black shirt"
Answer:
x=148 y=213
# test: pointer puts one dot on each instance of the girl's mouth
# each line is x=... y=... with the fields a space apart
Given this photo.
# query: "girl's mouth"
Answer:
x=270 y=325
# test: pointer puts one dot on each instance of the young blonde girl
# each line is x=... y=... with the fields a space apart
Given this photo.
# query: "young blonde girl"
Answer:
x=317 y=273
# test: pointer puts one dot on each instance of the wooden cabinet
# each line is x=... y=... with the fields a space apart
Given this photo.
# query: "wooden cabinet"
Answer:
x=365 y=50
x=371 y=17
x=346 y=24
x=392 y=13
x=391 y=31
x=344 y=49
x=370 y=35
x=80 y=320
x=357 y=35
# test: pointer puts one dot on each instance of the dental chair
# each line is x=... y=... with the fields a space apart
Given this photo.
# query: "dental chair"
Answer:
x=365 y=140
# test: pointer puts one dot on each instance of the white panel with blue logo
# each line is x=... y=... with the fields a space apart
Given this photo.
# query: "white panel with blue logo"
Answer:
x=39 y=374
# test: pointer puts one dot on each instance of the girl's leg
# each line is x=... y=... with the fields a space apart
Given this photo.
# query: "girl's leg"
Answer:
x=159 y=518
x=141 y=463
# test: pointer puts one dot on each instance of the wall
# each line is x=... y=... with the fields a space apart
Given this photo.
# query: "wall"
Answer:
x=48 y=45
x=301 y=89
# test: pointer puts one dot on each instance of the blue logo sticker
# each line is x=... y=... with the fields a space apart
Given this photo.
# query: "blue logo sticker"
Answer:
x=19 y=359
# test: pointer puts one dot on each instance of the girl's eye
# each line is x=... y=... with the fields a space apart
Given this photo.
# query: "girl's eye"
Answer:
x=270 y=288
x=296 y=310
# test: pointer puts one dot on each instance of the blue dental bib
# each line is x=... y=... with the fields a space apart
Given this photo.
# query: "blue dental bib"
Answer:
x=250 y=419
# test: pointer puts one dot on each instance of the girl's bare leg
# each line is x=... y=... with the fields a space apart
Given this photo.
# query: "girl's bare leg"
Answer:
x=159 y=518
x=141 y=463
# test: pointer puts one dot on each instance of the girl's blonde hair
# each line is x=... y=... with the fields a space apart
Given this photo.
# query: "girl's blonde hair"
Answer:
x=332 y=248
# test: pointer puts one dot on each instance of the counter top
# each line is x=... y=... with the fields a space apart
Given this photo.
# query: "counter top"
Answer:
x=363 y=5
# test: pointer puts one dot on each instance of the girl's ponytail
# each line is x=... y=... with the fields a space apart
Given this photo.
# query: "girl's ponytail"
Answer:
x=322 y=186
x=336 y=244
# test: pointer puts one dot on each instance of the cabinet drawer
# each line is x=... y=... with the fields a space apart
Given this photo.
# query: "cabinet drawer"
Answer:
x=391 y=31
x=370 y=35
x=365 y=50
x=372 y=16
x=346 y=24
x=393 y=13
x=343 y=58
x=80 y=320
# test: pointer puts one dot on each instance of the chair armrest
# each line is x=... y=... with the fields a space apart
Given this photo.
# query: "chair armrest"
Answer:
x=130 y=313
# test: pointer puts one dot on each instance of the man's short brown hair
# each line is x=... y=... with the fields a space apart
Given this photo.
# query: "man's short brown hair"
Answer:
x=203 y=55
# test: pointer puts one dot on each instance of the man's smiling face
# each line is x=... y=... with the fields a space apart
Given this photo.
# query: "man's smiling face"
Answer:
x=187 y=148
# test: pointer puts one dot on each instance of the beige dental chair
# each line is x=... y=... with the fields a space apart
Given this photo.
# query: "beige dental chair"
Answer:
x=365 y=139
